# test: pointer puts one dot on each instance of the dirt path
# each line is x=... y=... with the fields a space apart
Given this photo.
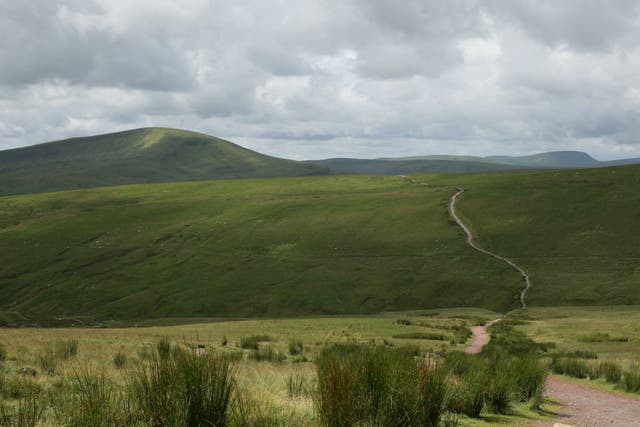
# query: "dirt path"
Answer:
x=480 y=338
x=587 y=406
x=471 y=242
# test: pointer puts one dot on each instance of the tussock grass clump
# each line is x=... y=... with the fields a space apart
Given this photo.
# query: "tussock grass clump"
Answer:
x=296 y=347
x=26 y=413
x=20 y=387
x=268 y=354
x=93 y=400
x=184 y=389
x=571 y=367
x=3 y=352
x=46 y=360
x=297 y=385
x=378 y=386
x=631 y=379
x=119 y=360
x=601 y=337
x=421 y=336
x=163 y=348
x=611 y=371
x=577 y=354
x=252 y=342
x=66 y=349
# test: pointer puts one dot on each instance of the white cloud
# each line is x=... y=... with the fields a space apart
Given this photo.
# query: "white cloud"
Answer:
x=322 y=78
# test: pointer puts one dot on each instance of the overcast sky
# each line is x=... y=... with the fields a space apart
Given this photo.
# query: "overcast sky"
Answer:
x=316 y=79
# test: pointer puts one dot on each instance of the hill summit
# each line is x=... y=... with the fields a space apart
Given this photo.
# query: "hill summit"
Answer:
x=137 y=156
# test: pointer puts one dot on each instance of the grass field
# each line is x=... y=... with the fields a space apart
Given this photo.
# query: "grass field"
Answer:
x=613 y=333
x=278 y=247
x=265 y=384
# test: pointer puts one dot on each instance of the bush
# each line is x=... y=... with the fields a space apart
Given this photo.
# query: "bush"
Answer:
x=296 y=347
x=119 y=360
x=571 y=367
x=184 y=389
x=379 y=386
x=252 y=342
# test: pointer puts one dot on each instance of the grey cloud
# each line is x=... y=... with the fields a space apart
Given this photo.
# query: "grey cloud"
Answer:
x=320 y=78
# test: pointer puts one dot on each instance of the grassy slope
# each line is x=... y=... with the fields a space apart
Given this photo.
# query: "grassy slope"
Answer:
x=575 y=232
x=322 y=245
x=136 y=156
x=412 y=165
x=277 y=247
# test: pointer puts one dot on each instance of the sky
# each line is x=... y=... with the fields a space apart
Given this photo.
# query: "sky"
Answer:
x=314 y=79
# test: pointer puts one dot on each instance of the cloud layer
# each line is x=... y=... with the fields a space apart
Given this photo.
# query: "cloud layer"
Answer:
x=315 y=79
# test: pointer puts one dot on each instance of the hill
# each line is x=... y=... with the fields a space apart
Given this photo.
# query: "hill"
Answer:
x=136 y=156
x=320 y=245
x=457 y=164
x=400 y=166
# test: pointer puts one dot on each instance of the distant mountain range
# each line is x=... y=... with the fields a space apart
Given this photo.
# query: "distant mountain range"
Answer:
x=152 y=155
x=426 y=164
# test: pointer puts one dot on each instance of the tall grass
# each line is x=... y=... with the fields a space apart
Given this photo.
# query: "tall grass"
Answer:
x=46 y=360
x=93 y=400
x=27 y=413
x=631 y=379
x=252 y=342
x=66 y=349
x=571 y=367
x=184 y=389
x=378 y=386
x=296 y=347
x=3 y=352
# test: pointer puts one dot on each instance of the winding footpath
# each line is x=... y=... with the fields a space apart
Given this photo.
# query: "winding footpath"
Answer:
x=582 y=405
x=471 y=242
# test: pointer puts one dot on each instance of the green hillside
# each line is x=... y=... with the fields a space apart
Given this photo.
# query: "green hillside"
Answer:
x=136 y=156
x=276 y=247
x=320 y=245
x=400 y=166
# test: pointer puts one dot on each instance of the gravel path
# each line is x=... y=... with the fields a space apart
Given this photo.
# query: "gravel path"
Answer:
x=471 y=242
x=587 y=406
x=480 y=338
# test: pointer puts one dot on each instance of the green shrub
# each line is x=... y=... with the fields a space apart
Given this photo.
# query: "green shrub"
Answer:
x=185 y=389
x=252 y=342
x=296 y=347
x=119 y=360
x=379 y=386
